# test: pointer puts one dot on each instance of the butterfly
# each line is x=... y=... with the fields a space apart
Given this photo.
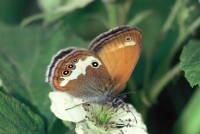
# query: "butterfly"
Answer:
x=99 y=73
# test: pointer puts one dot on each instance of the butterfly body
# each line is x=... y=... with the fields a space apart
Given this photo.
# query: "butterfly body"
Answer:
x=99 y=73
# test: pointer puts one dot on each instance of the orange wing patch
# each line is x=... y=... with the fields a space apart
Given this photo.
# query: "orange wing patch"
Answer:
x=120 y=52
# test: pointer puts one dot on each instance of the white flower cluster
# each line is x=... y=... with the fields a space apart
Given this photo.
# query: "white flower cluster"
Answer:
x=95 y=118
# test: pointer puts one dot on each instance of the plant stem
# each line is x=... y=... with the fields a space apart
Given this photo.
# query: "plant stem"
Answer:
x=112 y=14
x=194 y=25
x=164 y=30
x=181 y=38
x=140 y=17
x=155 y=90
x=171 y=17
x=32 y=18
x=123 y=10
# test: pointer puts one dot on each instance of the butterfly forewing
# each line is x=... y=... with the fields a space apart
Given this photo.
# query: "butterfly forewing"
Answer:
x=119 y=49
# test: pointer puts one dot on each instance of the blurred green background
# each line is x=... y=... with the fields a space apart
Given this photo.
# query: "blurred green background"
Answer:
x=166 y=79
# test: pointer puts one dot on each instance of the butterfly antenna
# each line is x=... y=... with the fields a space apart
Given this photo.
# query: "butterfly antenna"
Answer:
x=125 y=94
x=76 y=106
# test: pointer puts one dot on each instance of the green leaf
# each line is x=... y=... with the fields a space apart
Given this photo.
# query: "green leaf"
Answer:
x=62 y=5
x=189 y=120
x=190 y=62
x=53 y=10
x=24 y=56
x=17 y=118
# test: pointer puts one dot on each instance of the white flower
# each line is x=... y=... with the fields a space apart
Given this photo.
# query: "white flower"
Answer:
x=105 y=119
x=67 y=107
x=93 y=118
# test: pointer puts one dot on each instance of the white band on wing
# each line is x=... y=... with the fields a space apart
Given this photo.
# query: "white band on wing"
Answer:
x=80 y=69
x=130 y=43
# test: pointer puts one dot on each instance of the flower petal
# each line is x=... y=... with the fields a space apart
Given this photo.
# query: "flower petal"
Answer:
x=62 y=101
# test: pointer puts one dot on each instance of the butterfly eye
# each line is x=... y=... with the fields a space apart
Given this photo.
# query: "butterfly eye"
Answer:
x=95 y=64
x=71 y=66
x=75 y=60
x=66 y=73
x=128 y=38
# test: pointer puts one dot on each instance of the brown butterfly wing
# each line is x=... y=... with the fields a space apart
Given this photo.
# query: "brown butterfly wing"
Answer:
x=119 y=49
x=80 y=73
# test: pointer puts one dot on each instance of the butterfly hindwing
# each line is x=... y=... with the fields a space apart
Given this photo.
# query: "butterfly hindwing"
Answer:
x=80 y=73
